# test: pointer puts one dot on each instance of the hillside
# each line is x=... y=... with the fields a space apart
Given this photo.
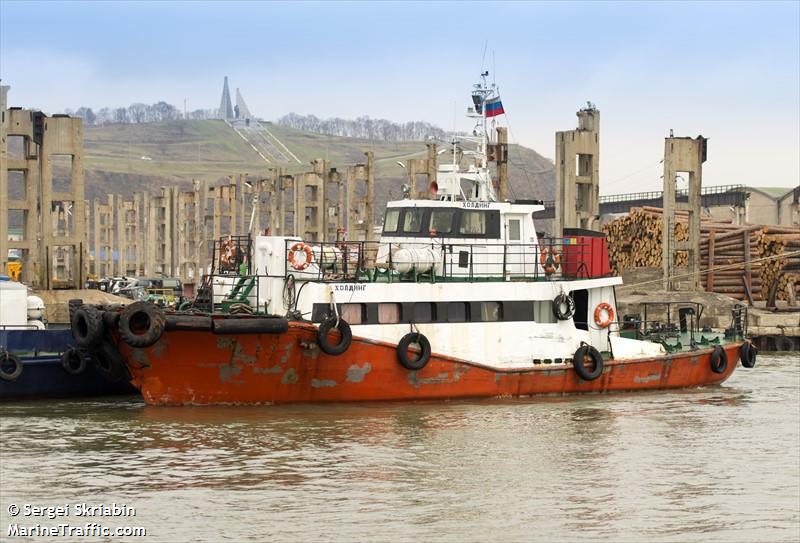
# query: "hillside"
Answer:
x=124 y=158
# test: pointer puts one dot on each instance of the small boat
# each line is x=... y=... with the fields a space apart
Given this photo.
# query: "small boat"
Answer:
x=459 y=298
x=39 y=361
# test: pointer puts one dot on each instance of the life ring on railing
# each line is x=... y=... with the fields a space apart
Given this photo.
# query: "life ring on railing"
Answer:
x=296 y=248
x=228 y=252
x=604 y=322
x=550 y=260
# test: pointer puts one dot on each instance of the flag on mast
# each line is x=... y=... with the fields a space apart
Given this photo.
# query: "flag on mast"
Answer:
x=494 y=107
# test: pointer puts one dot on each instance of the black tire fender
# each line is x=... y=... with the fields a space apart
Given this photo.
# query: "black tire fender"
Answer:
x=10 y=366
x=424 y=355
x=719 y=360
x=183 y=321
x=579 y=363
x=747 y=354
x=108 y=362
x=73 y=361
x=322 y=336
x=72 y=306
x=255 y=325
x=561 y=300
x=141 y=324
x=87 y=326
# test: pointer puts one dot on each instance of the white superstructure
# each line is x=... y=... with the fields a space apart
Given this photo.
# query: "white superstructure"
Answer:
x=467 y=271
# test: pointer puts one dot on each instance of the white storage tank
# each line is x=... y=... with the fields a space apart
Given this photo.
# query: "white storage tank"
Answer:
x=419 y=259
x=35 y=308
x=13 y=304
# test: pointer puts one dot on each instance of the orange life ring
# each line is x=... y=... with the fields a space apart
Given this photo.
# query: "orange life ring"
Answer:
x=598 y=315
x=550 y=260
x=297 y=247
x=227 y=253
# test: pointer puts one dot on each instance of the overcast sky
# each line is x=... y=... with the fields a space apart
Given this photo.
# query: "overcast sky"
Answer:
x=729 y=71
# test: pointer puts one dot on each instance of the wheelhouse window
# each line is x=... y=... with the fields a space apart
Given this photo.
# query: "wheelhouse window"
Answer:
x=514 y=230
x=473 y=223
x=392 y=219
x=442 y=221
x=412 y=222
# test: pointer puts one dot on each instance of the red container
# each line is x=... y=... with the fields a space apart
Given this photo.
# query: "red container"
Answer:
x=585 y=254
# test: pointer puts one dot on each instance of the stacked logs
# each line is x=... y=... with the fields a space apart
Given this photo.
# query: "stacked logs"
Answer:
x=783 y=273
x=724 y=261
x=635 y=241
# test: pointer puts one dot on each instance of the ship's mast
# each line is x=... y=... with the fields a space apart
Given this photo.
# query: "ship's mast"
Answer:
x=449 y=176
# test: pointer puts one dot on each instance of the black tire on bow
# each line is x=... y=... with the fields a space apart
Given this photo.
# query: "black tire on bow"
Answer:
x=719 y=360
x=563 y=307
x=10 y=366
x=108 y=362
x=579 y=360
x=141 y=324
x=747 y=354
x=87 y=326
x=73 y=361
x=323 y=338
x=406 y=360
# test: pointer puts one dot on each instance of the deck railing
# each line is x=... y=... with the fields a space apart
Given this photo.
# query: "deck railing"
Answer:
x=362 y=261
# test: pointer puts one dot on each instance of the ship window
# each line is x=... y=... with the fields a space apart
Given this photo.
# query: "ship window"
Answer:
x=514 y=230
x=392 y=218
x=388 y=313
x=491 y=311
x=353 y=313
x=456 y=312
x=412 y=223
x=473 y=223
x=423 y=312
x=518 y=311
x=543 y=312
x=442 y=221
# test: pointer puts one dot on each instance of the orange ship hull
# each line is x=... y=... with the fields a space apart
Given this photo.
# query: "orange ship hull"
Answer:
x=199 y=368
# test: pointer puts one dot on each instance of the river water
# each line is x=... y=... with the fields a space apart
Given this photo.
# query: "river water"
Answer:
x=713 y=464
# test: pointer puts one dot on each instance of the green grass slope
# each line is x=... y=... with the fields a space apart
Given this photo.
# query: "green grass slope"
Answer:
x=125 y=158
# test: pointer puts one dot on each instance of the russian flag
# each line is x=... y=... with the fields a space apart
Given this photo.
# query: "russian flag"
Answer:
x=494 y=107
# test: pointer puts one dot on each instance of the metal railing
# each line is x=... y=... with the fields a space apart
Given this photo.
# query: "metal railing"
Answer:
x=362 y=261
x=228 y=293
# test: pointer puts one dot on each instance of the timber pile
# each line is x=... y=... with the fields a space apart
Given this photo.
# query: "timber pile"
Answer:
x=782 y=272
x=635 y=241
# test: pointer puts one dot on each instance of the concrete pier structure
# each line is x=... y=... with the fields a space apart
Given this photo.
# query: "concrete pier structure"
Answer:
x=42 y=194
x=578 y=174
x=683 y=161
